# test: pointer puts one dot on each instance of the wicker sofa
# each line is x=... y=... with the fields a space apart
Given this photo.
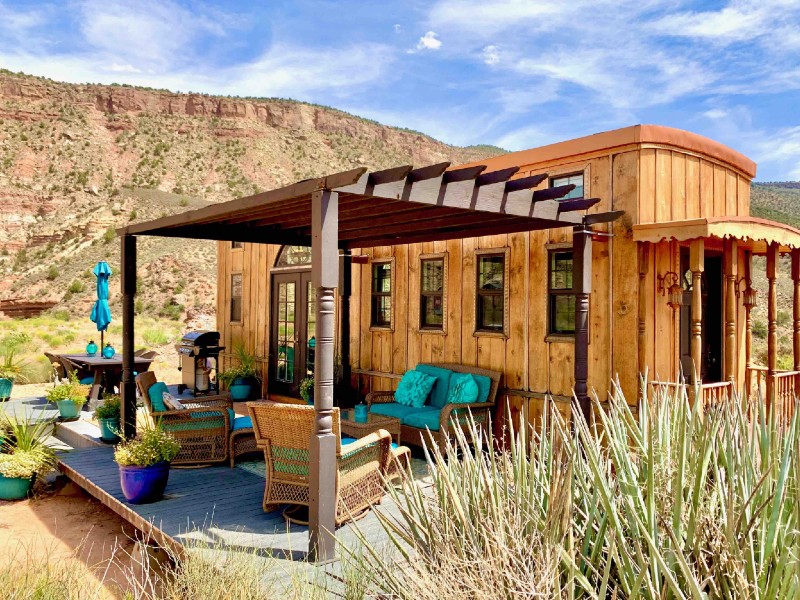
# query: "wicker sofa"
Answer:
x=436 y=422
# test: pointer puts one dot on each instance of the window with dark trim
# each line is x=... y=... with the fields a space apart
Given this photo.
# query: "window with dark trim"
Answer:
x=237 y=245
x=560 y=294
x=431 y=300
x=236 y=297
x=490 y=293
x=381 y=294
x=575 y=178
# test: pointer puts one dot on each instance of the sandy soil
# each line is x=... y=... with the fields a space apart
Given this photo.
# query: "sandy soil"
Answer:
x=68 y=523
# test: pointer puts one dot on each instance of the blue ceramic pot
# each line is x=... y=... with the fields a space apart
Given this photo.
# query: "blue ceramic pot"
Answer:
x=141 y=485
x=108 y=351
x=14 y=488
x=91 y=348
x=67 y=409
x=107 y=429
x=241 y=389
x=5 y=388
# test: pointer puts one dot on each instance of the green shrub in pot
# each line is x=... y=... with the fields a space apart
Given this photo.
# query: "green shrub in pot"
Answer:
x=144 y=464
x=242 y=380
x=107 y=415
x=24 y=455
x=69 y=395
x=12 y=369
x=307 y=390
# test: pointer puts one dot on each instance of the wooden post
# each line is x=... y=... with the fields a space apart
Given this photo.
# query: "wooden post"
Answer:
x=582 y=284
x=345 y=291
x=644 y=268
x=730 y=262
x=796 y=306
x=748 y=329
x=696 y=266
x=772 y=320
x=128 y=391
x=325 y=278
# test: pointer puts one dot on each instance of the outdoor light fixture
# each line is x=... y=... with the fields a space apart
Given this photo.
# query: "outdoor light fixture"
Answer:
x=749 y=295
x=674 y=292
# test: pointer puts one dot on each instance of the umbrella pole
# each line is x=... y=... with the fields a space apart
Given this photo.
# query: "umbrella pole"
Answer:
x=102 y=345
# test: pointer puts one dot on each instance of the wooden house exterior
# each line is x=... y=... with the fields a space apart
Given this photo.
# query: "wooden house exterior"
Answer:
x=670 y=285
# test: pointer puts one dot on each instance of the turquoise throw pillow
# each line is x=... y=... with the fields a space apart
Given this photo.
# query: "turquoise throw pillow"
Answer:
x=414 y=388
x=438 y=397
x=484 y=387
x=463 y=389
x=156 y=393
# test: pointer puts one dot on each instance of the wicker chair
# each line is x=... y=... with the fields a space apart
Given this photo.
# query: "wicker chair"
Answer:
x=202 y=430
x=284 y=432
x=452 y=416
x=56 y=365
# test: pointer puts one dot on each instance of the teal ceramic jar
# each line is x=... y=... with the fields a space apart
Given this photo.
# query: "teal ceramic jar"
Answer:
x=14 y=488
x=108 y=351
x=91 y=348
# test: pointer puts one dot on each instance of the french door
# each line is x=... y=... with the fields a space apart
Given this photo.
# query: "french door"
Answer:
x=292 y=341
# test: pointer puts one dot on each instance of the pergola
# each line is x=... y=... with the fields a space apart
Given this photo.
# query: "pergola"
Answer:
x=356 y=209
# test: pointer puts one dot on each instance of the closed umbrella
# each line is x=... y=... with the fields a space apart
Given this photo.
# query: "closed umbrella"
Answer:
x=101 y=314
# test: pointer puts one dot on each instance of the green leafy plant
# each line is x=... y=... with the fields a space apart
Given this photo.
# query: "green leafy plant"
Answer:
x=307 y=389
x=12 y=367
x=24 y=464
x=25 y=434
x=71 y=389
x=246 y=369
x=109 y=409
x=151 y=446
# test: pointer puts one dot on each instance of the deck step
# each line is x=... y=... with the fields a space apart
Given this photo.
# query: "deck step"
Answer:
x=79 y=434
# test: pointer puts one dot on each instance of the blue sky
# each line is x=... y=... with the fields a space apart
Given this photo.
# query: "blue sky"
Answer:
x=514 y=73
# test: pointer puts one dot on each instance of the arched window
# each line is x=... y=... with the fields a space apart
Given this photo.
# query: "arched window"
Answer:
x=293 y=256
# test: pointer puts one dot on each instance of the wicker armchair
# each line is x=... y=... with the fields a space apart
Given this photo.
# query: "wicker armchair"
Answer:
x=284 y=432
x=202 y=429
x=452 y=416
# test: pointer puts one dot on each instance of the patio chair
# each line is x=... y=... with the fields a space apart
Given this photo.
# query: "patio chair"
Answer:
x=145 y=353
x=55 y=364
x=203 y=429
x=284 y=432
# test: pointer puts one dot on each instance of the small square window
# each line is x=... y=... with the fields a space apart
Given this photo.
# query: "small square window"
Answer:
x=490 y=293
x=237 y=245
x=381 y=294
x=575 y=179
x=561 y=298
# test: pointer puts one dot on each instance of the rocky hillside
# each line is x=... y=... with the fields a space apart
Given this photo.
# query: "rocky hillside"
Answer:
x=78 y=160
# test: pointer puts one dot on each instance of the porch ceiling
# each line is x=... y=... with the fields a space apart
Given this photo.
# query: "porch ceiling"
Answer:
x=755 y=233
x=393 y=206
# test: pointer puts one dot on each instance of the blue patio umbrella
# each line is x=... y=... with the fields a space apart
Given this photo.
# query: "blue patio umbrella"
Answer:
x=101 y=314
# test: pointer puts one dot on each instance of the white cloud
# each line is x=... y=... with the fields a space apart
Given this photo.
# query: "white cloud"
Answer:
x=397 y=28
x=429 y=41
x=491 y=54
x=715 y=114
x=782 y=147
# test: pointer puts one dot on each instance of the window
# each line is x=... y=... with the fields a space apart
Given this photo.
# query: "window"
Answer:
x=561 y=298
x=237 y=245
x=490 y=293
x=431 y=300
x=236 y=297
x=576 y=179
x=382 y=294
x=293 y=256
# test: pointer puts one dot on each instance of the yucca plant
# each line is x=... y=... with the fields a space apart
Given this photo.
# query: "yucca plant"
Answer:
x=672 y=502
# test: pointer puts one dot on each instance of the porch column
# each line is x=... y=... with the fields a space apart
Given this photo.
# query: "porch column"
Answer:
x=772 y=320
x=796 y=306
x=128 y=387
x=748 y=327
x=644 y=268
x=582 y=284
x=345 y=291
x=325 y=278
x=696 y=266
x=730 y=264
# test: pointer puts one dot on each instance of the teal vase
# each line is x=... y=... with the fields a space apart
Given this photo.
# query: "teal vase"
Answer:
x=5 y=389
x=14 y=488
x=67 y=409
x=108 y=351
x=91 y=348
x=107 y=429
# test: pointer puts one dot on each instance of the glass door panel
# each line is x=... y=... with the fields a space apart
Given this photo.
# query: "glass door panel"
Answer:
x=286 y=328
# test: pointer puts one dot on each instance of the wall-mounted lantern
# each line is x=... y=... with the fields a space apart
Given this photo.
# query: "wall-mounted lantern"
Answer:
x=749 y=295
x=669 y=284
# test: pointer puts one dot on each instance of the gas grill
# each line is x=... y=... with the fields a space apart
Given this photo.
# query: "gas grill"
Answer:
x=198 y=354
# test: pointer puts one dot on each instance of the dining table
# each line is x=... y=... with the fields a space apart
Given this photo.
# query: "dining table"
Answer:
x=105 y=371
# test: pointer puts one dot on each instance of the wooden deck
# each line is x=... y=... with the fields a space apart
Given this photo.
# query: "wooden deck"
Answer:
x=213 y=508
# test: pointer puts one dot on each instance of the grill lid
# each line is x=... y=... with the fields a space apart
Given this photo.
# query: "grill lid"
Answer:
x=200 y=339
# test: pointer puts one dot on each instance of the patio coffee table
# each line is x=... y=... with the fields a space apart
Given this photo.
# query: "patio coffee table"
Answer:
x=374 y=422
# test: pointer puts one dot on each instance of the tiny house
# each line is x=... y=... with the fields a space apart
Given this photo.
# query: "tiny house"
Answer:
x=670 y=287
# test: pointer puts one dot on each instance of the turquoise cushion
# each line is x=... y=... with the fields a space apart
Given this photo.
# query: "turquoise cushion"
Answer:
x=484 y=387
x=423 y=419
x=438 y=397
x=463 y=389
x=393 y=409
x=414 y=388
x=242 y=423
x=348 y=440
x=87 y=381
x=156 y=392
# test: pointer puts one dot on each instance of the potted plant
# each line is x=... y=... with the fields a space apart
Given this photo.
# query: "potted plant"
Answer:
x=69 y=395
x=243 y=381
x=23 y=455
x=307 y=390
x=107 y=415
x=11 y=368
x=144 y=464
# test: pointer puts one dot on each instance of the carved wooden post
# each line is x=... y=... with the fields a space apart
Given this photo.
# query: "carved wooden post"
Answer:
x=748 y=326
x=796 y=306
x=325 y=278
x=697 y=265
x=644 y=268
x=345 y=291
x=730 y=261
x=128 y=391
x=582 y=284
x=772 y=321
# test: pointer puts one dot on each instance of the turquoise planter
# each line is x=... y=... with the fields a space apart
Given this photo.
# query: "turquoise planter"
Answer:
x=68 y=409
x=108 y=351
x=5 y=389
x=240 y=390
x=14 y=488
x=107 y=429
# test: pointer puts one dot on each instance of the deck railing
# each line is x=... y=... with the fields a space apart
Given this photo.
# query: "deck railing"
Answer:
x=710 y=393
x=785 y=388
